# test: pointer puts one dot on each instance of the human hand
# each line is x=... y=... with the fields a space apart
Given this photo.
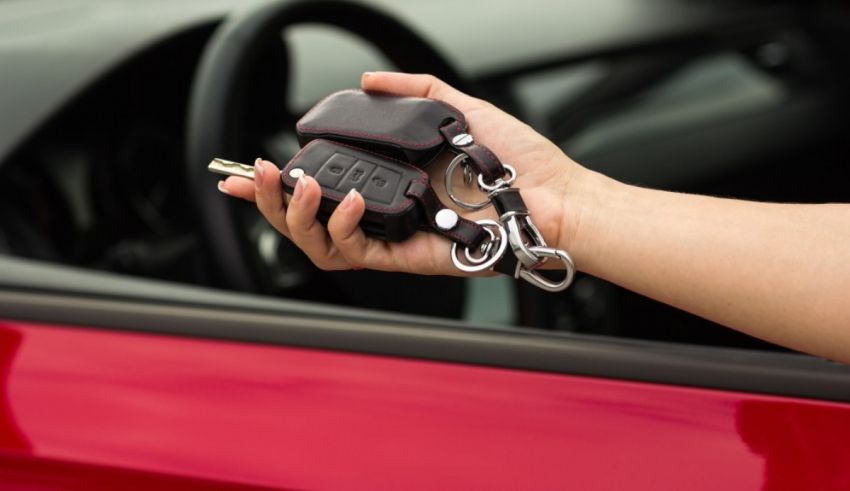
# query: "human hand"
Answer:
x=544 y=175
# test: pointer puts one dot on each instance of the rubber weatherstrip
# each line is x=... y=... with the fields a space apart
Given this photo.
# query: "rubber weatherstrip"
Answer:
x=654 y=362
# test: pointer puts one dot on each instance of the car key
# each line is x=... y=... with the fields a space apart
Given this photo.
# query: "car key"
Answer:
x=398 y=196
x=378 y=143
x=389 y=214
x=404 y=128
x=412 y=129
x=231 y=168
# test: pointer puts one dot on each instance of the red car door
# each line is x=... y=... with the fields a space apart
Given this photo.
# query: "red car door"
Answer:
x=105 y=392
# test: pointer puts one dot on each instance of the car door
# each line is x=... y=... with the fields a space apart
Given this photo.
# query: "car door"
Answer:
x=121 y=383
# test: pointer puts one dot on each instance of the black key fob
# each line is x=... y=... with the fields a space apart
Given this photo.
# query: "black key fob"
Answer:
x=382 y=181
x=405 y=128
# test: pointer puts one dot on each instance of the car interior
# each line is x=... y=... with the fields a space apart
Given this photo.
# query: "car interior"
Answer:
x=735 y=99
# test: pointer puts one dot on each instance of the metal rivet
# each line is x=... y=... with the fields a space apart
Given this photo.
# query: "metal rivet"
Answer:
x=462 y=140
x=296 y=172
x=446 y=219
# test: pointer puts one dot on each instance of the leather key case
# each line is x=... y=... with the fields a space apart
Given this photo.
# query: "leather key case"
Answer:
x=405 y=128
x=338 y=168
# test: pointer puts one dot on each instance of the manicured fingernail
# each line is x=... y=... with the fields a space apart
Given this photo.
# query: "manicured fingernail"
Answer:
x=368 y=74
x=222 y=188
x=259 y=173
x=299 y=188
x=349 y=198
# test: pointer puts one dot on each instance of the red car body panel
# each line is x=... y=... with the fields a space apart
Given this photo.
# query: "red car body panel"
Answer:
x=99 y=409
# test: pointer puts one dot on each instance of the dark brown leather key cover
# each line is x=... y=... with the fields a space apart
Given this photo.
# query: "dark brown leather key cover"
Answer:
x=390 y=214
x=398 y=196
x=406 y=128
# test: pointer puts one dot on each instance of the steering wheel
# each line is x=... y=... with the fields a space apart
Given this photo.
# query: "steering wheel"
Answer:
x=246 y=57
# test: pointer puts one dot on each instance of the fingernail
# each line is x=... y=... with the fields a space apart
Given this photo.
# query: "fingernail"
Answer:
x=368 y=74
x=349 y=198
x=222 y=188
x=259 y=173
x=299 y=188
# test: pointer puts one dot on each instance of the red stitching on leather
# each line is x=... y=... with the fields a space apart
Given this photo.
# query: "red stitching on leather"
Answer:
x=496 y=160
x=302 y=128
x=489 y=168
x=459 y=115
x=373 y=136
x=334 y=194
x=492 y=168
x=458 y=237
x=423 y=179
x=460 y=128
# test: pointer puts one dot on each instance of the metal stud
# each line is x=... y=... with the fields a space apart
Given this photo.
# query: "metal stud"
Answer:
x=462 y=140
x=446 y=219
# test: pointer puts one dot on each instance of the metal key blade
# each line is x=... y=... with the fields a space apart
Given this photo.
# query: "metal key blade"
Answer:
x=230 y=168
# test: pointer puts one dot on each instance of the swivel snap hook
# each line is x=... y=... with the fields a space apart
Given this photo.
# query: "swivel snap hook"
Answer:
x=519 y=225
x=534 y=277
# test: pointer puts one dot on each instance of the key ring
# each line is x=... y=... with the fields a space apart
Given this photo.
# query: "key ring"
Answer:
x=447 y=180
x=535 y=278
x=494 y=257
x=485 y=249
x=467 y=178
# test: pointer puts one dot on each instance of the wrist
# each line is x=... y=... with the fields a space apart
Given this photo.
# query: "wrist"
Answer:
x=585 y=201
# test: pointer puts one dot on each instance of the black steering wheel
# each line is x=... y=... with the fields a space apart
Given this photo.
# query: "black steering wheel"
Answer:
x=244 y=71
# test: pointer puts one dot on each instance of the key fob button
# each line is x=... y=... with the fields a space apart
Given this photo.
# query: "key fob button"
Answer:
x=331 y=173
x=383 y=185
x=357 y=176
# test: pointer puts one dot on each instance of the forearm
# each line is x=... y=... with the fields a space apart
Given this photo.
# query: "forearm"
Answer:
x=780 y=272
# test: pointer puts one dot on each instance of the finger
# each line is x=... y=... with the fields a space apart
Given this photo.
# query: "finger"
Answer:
x=344 y=228
x=424 y=253
x=418 y=85
x=307 y=233
x=238 y=187
x=269 y=195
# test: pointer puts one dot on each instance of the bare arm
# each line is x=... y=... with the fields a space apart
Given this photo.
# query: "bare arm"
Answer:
x=780 y=272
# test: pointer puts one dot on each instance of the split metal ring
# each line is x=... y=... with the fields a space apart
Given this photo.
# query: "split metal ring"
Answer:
x=486 y=247
x=492 y=257
x=447 y=179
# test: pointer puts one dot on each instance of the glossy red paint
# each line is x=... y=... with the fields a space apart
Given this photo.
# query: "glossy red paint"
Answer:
x=86 y=409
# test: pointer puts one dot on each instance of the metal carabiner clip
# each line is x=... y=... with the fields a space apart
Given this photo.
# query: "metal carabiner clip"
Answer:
x=534 y=277
x=517 y=225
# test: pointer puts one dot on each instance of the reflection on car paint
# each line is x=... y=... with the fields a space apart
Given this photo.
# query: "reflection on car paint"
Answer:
x=243 y=414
